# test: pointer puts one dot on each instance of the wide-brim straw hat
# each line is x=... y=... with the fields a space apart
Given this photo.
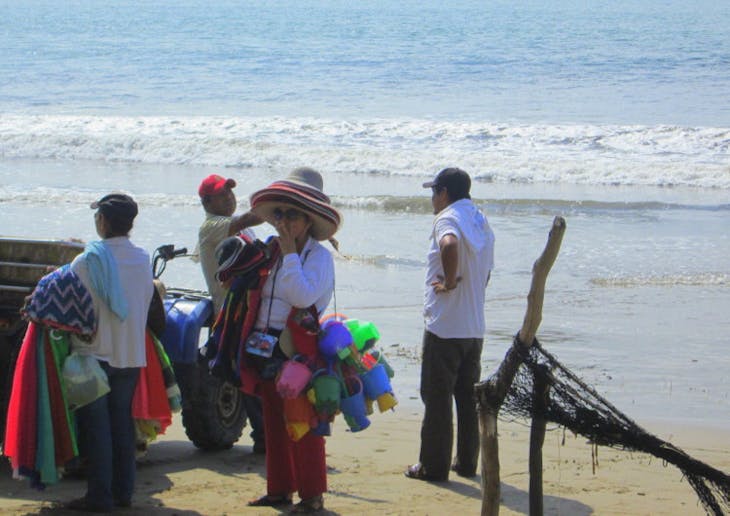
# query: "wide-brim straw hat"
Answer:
x=301 y=190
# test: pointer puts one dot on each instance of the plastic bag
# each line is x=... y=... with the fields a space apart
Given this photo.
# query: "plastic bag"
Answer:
x=85 y=380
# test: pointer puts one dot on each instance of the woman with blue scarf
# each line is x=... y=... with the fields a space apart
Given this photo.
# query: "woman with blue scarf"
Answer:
x=119 y=277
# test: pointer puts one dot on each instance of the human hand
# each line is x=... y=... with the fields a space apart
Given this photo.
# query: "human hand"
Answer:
x=441 y=285
x=287 y=243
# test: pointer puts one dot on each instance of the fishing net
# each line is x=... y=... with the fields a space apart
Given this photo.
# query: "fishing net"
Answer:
x=579 y=408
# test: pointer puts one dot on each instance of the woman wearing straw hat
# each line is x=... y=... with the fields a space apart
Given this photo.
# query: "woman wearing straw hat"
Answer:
x=304 y=278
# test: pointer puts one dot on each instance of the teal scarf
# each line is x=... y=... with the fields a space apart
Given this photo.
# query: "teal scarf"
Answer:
x=105 y=277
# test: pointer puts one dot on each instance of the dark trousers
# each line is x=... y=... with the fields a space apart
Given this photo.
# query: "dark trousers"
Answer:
x=107 y=431
x=255 y=417
x=449 y=369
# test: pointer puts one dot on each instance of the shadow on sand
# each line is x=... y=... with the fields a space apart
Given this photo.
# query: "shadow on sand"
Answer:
x=166 y=458
x=153 y=471
x=515 y=499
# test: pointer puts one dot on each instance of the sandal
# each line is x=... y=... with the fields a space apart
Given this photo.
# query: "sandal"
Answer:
x=309 y=506
x=418 y=472
x=270 y=501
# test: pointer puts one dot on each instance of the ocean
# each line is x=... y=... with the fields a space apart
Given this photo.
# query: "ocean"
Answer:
x=615 y=116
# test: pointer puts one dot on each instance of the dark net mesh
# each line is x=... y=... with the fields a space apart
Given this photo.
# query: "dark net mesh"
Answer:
x=578 y=407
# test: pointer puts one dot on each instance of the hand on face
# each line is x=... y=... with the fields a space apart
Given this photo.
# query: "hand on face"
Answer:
x=287 y=242
x=293 y=228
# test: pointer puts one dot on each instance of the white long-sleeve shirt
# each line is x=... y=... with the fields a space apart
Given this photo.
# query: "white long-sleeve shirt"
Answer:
x=302 y=280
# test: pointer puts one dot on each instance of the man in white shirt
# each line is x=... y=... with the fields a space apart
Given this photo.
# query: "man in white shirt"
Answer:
x=460 y=261
x=219 y=202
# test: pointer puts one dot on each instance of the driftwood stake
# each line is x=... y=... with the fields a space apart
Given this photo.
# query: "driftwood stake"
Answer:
x=540 y=395
x=540 y=270
x=491 y=393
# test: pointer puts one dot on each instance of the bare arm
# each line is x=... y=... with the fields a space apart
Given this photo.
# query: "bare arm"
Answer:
x=448 y=246
x=243 y=221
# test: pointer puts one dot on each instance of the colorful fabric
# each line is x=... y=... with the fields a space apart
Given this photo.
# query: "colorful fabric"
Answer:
x=235 y=322
x=60 y=300
x=172 y=389
x=40 y=437
x=20 y=430
x=238 y=255
x=64 y=440
x=150 y=403
x=104 y=276
x=45 y=463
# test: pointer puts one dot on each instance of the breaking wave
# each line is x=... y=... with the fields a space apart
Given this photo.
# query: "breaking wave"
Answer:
x=492 y=152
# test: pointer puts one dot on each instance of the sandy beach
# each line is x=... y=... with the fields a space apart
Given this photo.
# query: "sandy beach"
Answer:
x=613 y=115
x=366 y=475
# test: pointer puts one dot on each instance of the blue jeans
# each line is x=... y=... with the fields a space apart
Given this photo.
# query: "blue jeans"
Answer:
x=107 y=433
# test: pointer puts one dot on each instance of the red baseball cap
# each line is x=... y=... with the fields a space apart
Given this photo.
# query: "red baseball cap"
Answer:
x=214 y=185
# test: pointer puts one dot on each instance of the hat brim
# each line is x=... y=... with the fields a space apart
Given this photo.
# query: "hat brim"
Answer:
x=325 y=221
x=323 y=226
x=429 y=184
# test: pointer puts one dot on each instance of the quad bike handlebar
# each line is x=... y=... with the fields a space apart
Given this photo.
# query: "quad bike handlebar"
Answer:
x=164 y=254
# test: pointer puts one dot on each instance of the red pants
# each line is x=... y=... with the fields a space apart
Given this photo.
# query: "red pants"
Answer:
x=290 y=466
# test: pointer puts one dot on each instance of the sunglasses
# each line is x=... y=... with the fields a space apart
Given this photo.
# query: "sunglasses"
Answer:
x=290 y=214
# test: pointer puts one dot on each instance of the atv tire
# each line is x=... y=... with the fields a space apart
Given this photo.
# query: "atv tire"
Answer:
x=213 y=411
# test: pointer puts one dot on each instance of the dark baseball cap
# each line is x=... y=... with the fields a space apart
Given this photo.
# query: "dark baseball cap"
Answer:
x=116 y=205
x=456 y=181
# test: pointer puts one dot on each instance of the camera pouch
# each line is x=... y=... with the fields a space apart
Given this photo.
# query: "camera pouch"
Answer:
x=261 y=344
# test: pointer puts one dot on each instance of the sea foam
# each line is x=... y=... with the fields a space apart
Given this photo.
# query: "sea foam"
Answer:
x=492 y=152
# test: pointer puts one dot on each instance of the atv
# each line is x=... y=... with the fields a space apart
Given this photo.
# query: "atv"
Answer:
x=213 y=410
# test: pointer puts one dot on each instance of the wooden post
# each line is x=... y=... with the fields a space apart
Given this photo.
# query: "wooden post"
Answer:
x=490 y=462
x=540 y=393
x=540 y=270
x=491 y=393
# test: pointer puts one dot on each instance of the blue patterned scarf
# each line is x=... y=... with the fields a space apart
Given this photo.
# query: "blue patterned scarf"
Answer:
x=60 y=300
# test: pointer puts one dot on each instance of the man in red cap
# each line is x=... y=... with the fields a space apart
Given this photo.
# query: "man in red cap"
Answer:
x=219 y=203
